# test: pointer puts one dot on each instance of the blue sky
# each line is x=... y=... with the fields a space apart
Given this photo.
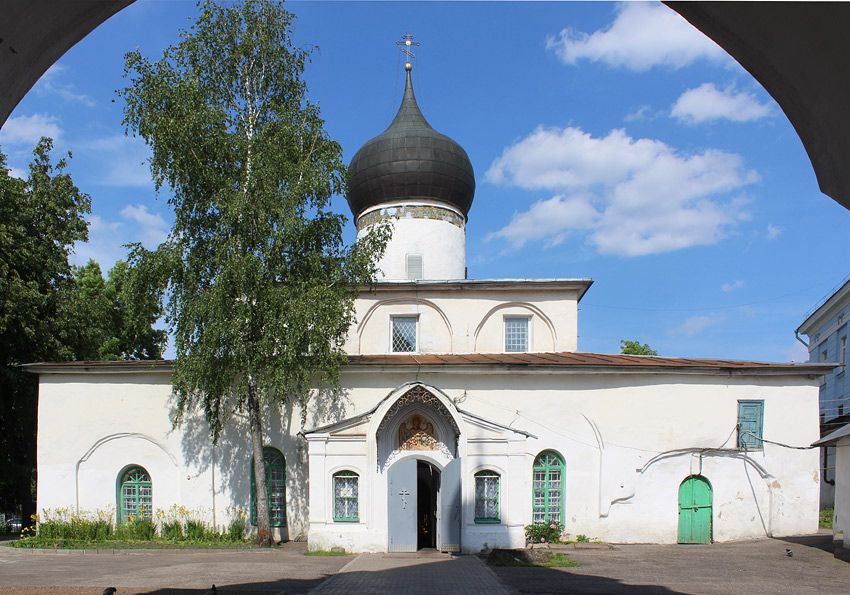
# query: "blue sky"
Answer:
x=610 y=141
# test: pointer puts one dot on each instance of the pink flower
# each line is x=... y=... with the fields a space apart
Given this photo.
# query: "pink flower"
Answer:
x=552 y=526
x=542 y=540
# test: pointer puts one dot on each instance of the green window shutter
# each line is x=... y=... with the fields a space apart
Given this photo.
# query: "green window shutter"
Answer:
x=750 y=422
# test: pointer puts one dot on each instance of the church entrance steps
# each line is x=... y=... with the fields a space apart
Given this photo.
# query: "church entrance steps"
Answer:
x=422 y=573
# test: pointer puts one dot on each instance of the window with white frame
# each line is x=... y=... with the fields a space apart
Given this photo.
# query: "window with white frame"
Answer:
x=345 y=496
x=403 y=335
x=516 y=334
x=487 y=497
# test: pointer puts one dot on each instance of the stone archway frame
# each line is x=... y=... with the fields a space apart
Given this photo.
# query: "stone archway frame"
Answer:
x=422 y=399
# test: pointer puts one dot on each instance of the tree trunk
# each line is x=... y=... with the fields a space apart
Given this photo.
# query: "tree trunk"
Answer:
x=264 y=534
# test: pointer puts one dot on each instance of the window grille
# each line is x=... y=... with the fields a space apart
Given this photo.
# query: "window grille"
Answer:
x=275 y=487
x=345 y=496
x=516 y=335
x=415 y=267
x=547 y=488
x=136 y=495
x=487 y=497
x=404 y=334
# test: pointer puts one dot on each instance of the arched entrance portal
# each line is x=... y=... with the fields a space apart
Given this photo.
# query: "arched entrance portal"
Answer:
x=695 y=510
x=423 y=503
x=418 y=449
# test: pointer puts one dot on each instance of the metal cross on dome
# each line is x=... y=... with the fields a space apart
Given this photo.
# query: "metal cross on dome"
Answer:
x=406 y=46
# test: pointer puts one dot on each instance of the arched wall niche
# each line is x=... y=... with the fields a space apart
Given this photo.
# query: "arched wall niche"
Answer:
x=434 y=333
x=424 y=406
x=489 y=334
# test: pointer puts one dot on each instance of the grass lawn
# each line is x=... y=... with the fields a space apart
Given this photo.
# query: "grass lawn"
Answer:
x=116 y=544
x=826 y=518
x=326 y=553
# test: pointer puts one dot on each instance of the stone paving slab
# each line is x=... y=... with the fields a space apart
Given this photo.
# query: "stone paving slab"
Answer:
x=746 y=567
x=164 y=572
x=412 y=574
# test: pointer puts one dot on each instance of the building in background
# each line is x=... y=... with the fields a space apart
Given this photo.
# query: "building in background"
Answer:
x=826 y=330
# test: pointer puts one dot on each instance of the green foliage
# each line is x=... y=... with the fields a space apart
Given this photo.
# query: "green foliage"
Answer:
x=582 y=538
x=172 y=531
x=259 y=285
x=636 y=348
x=63 y=527
x=327 y=553
x=236 y=530
x=40 y=220
x=544 y=532
x=826 y=518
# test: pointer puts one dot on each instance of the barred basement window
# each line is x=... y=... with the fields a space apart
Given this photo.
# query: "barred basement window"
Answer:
x=345 y=496
x=403 y=334
x=275 y=487
x=516 y=334
x=487 y=497
x=135 y=494
x=548 y=488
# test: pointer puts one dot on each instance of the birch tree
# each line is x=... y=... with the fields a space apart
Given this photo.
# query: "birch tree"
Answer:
x=258 y=283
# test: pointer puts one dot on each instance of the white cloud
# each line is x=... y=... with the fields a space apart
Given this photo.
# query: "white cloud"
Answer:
x=27 y=130
x=707 y=102
x=642 y=113
x=50 y=84
x=18 y=173
x=697 y=324
x=123 y=160
x=773 y=231
x=647 y=197
x=152 y=227
x=553 y=219
x=107 y=237
x=642 y=35
x=732 y=285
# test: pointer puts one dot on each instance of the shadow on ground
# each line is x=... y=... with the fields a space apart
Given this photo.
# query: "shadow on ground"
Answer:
x=548 y=580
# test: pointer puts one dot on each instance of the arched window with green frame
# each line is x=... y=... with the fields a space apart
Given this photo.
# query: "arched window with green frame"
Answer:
x=548 y=488
x=135 y=494
x=275 y=487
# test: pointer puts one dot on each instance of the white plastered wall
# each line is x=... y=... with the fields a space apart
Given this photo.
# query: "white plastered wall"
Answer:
x=841 y=522
x=628 y=441
x=468 y=321
x=441 y=244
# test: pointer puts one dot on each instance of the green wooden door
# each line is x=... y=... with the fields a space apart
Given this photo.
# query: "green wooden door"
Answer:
x=695 y=510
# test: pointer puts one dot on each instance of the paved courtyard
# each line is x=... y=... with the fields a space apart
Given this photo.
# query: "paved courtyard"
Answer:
x=747 y=567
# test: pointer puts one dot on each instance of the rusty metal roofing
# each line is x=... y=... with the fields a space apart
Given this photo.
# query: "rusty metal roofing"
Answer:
x=555 y=360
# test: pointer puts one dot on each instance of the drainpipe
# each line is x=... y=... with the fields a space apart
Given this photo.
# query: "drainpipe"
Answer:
x=797 y=336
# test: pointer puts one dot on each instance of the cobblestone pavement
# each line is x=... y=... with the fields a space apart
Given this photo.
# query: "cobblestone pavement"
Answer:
x=164 y=572
x=761 y=566
x=413 y=574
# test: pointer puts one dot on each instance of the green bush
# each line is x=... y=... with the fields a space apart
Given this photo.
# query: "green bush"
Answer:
x=236 y=530
x=172 y=531
x=196 y=531
x=826 y=516
x=544 y=532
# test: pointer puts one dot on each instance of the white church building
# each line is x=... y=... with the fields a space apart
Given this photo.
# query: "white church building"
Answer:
x=466 y=410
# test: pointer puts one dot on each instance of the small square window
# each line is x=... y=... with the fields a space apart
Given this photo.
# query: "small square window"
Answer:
x=403 y=338
x=516 y=335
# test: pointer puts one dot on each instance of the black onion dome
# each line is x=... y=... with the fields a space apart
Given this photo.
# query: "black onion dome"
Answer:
x=410 y=160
